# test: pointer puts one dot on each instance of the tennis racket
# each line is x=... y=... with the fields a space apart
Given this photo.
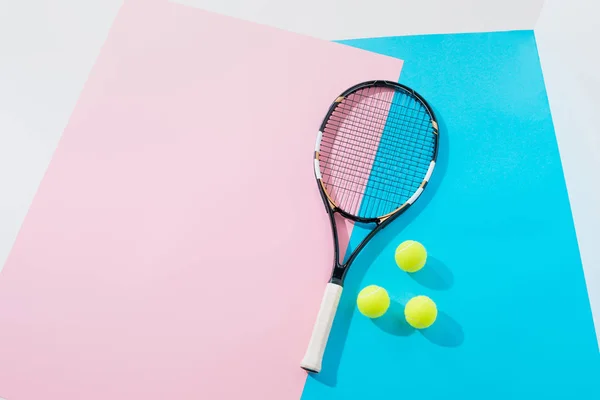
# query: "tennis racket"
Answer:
x=376 y=150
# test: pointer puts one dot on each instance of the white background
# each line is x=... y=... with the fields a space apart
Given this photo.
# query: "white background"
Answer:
x=349 y=19
x=567 y=34
x=48 y=47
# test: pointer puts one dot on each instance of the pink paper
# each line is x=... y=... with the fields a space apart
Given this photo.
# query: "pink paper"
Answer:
x=177 y=247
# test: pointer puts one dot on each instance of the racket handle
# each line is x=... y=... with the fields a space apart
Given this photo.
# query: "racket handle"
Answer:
x=318 y=341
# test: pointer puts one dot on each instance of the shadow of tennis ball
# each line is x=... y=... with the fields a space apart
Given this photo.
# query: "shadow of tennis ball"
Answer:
x=445 y=331
x=393 y=321
x=434 y=275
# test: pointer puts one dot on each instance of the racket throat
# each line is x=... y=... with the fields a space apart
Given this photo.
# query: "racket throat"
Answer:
x=337 y=280
x=339 y=273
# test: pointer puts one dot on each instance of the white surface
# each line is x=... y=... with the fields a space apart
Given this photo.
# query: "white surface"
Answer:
x=318 y=342
x=567 y=34
x=47 y=49
x=346 y=19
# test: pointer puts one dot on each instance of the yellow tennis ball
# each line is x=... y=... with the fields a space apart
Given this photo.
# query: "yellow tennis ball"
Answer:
x=373 y=301
x=411 y=256
x=420 y=312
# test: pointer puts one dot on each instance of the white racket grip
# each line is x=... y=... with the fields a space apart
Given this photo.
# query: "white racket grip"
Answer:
x=318 y=341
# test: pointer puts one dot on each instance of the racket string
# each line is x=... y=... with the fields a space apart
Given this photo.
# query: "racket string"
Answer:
x=334 y=147
x=409 y=143
x=376 y=149
x=414 y=162
x=383 y=113
x=416 y=172
x=423 y=123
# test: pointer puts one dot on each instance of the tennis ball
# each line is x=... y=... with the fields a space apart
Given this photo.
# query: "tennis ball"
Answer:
x=420 y=312
x=410 y=256
x=373 y=301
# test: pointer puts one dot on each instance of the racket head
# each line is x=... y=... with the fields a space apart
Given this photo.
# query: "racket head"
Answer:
x=376 y=150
